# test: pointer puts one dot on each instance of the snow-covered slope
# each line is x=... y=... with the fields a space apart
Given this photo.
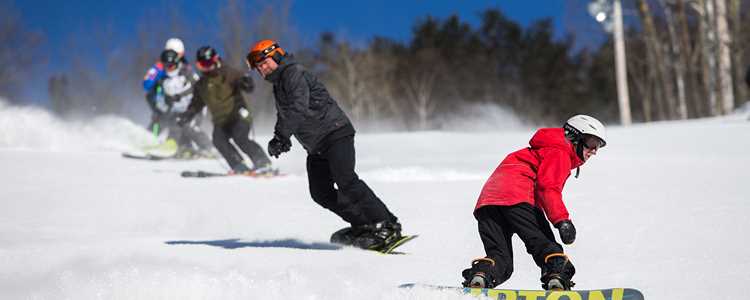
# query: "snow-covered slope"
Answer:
x=662 y=208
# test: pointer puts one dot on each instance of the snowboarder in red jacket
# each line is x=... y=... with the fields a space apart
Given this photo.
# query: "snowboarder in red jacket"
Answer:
x=526 y=186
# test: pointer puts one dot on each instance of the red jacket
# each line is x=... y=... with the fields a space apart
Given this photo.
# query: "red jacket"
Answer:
x=535 y=175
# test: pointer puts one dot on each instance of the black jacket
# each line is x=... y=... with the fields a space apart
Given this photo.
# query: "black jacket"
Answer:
x=305 y=109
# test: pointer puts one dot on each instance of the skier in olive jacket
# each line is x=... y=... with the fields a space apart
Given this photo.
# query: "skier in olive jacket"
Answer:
x=220 y=88
x=526 y=186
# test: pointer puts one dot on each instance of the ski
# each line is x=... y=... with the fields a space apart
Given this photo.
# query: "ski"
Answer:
x=147 y=156
x=206 y=174
x=508 y=294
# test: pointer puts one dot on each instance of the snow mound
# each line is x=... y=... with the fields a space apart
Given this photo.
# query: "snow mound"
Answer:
x=33 y=128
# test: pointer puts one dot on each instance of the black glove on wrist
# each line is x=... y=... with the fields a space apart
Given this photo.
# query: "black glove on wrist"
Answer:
x=567 y=231
x=278 y=145
x=184 y=118
x=246 y=83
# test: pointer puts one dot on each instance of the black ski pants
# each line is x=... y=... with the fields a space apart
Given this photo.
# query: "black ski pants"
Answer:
x=354 y=201
x=238 y=131
x=187 y=134
x=497 y=224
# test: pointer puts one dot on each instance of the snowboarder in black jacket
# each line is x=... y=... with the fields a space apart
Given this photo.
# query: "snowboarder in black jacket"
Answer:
x=307 y=111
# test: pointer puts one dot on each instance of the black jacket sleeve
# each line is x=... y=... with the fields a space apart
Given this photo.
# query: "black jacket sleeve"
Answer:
x=293 y=109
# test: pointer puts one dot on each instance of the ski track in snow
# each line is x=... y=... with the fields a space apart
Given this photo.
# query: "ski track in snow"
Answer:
x=661 y=205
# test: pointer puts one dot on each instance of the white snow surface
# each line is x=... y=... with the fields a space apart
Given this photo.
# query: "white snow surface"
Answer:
x=662 y=209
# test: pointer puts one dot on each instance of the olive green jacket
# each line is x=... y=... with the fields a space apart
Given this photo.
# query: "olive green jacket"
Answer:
x=221 y=90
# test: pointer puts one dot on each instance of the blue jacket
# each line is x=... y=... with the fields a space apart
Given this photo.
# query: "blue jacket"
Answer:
x=154 y=75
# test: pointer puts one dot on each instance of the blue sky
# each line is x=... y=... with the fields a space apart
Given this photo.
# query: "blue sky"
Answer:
x=357 y=21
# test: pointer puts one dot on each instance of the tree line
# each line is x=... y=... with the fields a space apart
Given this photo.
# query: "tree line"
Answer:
x=685 y=59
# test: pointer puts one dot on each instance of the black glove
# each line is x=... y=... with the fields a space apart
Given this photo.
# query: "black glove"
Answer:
x=246 y=83
x=567 y=231
x=184 y=118
x=278 y=145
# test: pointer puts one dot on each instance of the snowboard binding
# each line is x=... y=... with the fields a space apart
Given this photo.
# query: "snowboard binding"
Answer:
x=557 y=273
x=480 y=274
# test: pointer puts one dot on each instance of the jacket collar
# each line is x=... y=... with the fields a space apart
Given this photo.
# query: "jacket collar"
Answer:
x=275 y=76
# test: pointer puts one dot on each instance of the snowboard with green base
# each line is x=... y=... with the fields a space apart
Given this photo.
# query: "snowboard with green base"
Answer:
x=508 y=294
x=389 y=249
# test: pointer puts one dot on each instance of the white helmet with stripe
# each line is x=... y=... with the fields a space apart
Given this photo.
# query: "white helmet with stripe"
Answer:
x=579 y=125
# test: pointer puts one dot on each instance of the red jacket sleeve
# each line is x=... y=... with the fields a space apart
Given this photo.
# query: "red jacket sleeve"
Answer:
x=553 y=171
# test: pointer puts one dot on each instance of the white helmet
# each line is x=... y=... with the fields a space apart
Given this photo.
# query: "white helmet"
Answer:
x=176 y=45
x=579 y=125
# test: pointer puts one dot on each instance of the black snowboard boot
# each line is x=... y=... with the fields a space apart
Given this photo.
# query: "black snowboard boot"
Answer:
x=346 y=236
x=480 y=274
x=378 y=236
x=557 y=272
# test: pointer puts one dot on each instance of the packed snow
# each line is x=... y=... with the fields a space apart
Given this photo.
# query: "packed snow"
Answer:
x=663 y=208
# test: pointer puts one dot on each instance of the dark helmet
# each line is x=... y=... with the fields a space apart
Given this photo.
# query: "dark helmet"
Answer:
x=207 y=58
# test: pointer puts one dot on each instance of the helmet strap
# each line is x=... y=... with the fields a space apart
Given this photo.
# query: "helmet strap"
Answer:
x=579 y=149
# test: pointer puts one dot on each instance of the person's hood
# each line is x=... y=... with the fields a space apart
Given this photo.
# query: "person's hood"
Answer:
x=555 y=138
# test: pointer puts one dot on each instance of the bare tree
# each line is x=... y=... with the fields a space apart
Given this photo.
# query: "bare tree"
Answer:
x=687 y=55
x=240 y=28
x=236 y=33
x=665 y=89
x=419 y=85
x=725 y=59
x=737 y=51
x=351 y=82
x=707 y=42
x=676 y=61
x=18 y=51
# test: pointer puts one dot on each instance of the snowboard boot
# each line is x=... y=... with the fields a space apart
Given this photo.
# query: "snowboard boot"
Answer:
x=346 y=236
x=378 y=236
x=557 y=272
x=480 y=274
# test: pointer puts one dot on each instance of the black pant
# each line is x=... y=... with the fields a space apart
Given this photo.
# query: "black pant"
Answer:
x=354 y=201
x=187 y=134
x=238 y=131
x=497 y=224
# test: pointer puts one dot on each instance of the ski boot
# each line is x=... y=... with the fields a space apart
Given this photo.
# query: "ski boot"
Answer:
x=264 y=171
x=480 y=274
x=378 y=236
x=557 y=273
x=240 y=169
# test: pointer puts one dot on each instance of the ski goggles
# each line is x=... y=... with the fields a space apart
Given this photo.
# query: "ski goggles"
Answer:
x=171 y=66
x=592 y=142
x=205 y=65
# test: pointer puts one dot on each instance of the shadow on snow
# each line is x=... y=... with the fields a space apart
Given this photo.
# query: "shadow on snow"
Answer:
x=237 y=243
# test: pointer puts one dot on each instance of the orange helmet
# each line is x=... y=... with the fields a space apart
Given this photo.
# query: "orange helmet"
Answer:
x=263 y=50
